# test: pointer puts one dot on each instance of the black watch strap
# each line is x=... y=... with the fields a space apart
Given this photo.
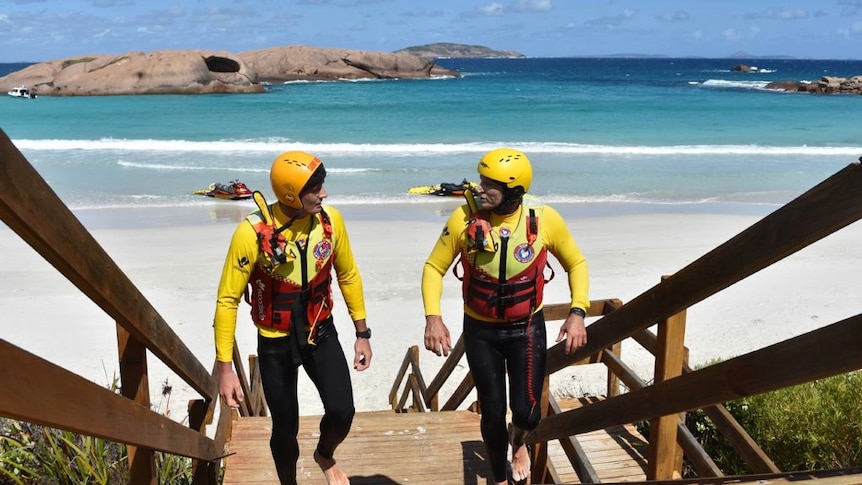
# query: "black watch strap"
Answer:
x=578 y=311
x=364 y=334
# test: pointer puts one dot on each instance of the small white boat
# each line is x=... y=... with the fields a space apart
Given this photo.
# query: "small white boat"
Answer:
x=22 y=92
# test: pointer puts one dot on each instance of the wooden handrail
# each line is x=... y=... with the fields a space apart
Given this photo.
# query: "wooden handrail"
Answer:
x=556 y=311
x=824 y=352
x=415 y=383
x=26 y=201
x=750 y=452
x=65 y=400
x=698 y=456
x=399 y=377
x=35 y=212
x=445 y=371
x=822 y=210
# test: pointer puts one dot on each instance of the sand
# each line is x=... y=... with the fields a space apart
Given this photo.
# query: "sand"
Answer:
x=175 y=256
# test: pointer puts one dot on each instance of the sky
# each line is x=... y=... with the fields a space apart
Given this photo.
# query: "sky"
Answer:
x=45 y=30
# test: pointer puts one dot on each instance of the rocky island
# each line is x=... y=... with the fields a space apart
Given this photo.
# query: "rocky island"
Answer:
x=448 y=50
x=202 y=71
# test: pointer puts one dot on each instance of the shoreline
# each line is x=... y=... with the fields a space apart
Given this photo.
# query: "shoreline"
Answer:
x=232 y=212
x=175 y=259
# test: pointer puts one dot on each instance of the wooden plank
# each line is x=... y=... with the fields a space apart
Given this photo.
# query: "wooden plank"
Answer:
x=382 y=448
x=25 y=199
x=385 y=448
x=388 y=447
x=64 y=400
x=822 y=210
x=613 y=454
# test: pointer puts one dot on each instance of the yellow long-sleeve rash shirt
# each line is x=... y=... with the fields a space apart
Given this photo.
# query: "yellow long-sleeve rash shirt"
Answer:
x=242 y=256
x=555 y=236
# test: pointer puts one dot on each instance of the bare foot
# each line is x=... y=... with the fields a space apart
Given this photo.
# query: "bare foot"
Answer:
x=520 y=456
x=333 y=474
x=520 y=463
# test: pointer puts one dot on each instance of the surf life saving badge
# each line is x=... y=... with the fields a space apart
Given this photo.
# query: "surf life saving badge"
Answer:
x=524 y=253
x=322 y=250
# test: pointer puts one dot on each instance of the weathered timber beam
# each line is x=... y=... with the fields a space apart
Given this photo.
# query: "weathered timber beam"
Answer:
x=825 y=352
x=690 y=446
x=46 y=394
x=751 y=452
x=35 y=212
x=822 y=210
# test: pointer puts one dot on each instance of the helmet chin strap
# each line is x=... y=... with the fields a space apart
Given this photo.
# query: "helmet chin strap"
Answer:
x=512 y=198
x=508 y=206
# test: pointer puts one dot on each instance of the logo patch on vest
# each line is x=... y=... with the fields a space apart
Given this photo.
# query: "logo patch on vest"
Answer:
x=524 y=253
x=322 y=250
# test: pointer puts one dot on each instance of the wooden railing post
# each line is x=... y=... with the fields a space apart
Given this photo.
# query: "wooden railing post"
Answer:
x=665 y=455
x=539 y=456
x=134 y=385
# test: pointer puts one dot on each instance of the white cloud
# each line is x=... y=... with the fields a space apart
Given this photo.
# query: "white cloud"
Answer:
x=533 y=5
x=675 y=16
x=857 y=27
x=779 y=14
x=492 y=9
x=731 y=34
x=734 y=35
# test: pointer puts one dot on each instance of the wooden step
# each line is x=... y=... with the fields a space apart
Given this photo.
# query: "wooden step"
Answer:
x=383 y=447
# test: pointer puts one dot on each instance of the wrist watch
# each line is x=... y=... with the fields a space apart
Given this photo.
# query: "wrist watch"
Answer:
x=364 y=334
x=578 y=311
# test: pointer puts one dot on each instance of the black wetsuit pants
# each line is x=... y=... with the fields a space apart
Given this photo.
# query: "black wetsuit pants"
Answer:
x=327 y=368
x=491 y=349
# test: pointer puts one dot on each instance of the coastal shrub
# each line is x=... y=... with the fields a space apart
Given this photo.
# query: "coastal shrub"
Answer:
x=31 y=453
x=812 y=426
x=35 y=454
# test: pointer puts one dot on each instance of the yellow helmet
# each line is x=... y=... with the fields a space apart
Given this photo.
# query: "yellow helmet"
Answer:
x=290 y=173
x=509 y=167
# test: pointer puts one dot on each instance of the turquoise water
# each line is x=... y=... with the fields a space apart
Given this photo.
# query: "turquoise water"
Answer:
x=667 y=132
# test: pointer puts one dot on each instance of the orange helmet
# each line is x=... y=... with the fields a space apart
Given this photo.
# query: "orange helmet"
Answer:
x=508 y=166
x=290 y=173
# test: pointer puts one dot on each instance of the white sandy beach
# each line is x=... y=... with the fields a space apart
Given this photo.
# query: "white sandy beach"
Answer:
x=177 y=268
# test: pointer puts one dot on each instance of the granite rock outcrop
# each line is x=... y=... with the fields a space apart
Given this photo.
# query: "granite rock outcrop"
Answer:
x=298 y=62
x=204 y=72
x=158 y=72
x=826 y=85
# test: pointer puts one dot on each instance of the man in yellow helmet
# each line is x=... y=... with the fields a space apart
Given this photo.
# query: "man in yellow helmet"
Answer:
x=281 y=258
x=503 y=243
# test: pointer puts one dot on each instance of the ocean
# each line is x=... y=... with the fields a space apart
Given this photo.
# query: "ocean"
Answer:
x=603 y=134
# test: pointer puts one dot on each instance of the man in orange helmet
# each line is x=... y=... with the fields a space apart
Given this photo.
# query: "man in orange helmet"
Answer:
x=503 y=241
x=281 y=258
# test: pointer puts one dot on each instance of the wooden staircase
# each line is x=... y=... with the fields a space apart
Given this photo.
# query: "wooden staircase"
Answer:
x=386 y=448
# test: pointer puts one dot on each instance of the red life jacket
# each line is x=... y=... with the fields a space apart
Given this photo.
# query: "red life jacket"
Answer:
x=503 y=273
x=274 y=291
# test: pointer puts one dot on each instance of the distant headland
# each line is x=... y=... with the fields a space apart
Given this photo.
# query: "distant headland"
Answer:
x=443 y=50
